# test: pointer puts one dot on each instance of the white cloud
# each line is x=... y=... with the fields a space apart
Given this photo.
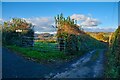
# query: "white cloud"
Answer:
x=78 y=17
x=42 y=24
x=90 y=22
x=99 y=29
x=85 y=20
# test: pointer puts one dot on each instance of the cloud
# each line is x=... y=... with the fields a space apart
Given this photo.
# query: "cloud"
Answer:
x=42 y=24
x=99 y=29
x=90 y=22
x=85 y=20
x=78 y=17
x=1 y=21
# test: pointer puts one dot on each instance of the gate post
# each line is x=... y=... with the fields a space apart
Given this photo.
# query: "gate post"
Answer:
x=61 y=44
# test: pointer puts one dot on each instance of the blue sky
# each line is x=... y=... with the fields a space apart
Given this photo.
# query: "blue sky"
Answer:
x=106 y=13
x=0 y=10
x=119 y=13
x=60 y=0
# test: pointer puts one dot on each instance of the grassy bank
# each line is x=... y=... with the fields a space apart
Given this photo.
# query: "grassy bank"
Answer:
x=43 y=52
x=113 y=56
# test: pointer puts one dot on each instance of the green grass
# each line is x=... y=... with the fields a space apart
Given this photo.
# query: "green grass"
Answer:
x=42 y=52
x=46 y=46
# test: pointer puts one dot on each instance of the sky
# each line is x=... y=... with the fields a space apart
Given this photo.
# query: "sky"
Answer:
x=119 y=13
x=60 y=0
x=0 y=10
x=92 y=16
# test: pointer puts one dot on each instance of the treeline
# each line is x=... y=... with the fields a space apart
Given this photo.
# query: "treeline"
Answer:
x=17 y=32
x=113 y=55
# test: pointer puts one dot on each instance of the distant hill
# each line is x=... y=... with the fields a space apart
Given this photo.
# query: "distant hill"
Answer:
x=102 y=36
x=44 y=36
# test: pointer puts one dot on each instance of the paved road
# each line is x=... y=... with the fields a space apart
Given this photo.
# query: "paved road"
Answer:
x=15 y=66
x=85 y=67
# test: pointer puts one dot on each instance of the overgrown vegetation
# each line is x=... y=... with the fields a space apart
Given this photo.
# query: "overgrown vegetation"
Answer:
x=73 y=38
x=113 y=55
x=17 y=32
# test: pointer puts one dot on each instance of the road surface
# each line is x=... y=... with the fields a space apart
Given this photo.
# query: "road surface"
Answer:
x=86 y=67
x=16 y=66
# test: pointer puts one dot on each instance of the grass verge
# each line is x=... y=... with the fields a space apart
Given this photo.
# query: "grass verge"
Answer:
x=42 y=56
